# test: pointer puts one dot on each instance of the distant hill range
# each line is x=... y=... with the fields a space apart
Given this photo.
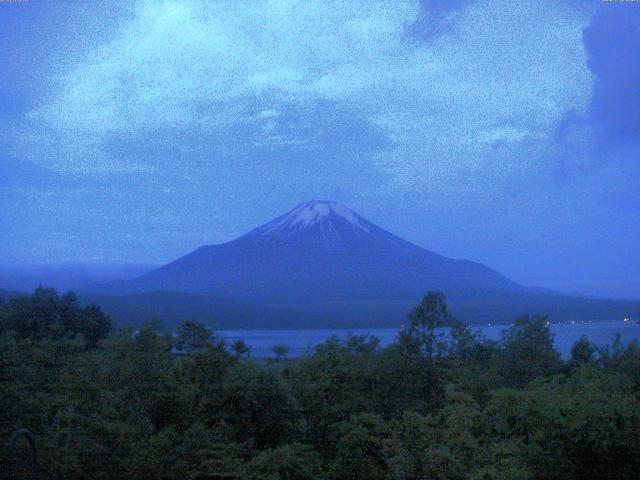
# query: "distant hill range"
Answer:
x=66 y=276
x=321 y=264
x=8 y=295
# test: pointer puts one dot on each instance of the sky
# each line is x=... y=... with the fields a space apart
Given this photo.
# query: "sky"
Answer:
x=499 y=131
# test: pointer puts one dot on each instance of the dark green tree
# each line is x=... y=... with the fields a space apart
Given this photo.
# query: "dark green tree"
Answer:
x=425 y=334
x=329 y=387
x=255 y=401
x=584 y=426
x=46 y=315
x=240 y=348
x=294 y=461
x=622 y=359
x=366 y=450
x=528 y=351
x=583 y=353
x=281 y=351
x=193 y=336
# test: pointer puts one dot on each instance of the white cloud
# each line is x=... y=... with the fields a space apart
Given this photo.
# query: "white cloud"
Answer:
x=206 y=67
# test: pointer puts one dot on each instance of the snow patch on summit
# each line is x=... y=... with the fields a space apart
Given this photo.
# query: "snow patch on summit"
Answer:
x=331 y=216
x=311 y=213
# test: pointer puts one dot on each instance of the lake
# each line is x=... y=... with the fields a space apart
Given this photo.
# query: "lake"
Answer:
x=301 y=342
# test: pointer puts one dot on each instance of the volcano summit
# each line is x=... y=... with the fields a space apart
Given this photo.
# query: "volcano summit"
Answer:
x=323 y=259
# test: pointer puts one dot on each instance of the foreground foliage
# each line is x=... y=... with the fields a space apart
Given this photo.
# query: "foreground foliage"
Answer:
x=431 y=406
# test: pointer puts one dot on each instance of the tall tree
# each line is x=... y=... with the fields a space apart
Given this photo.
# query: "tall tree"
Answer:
x=426 y=320
x=240 y=348
x=527 y=350
x=193 y=336
x=46 y=315
x=281 y=351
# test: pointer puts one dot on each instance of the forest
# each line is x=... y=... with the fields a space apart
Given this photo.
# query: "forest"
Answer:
x=440 y=403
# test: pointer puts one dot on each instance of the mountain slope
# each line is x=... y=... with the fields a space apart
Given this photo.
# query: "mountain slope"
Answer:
x=318 y=252
x=323 y=258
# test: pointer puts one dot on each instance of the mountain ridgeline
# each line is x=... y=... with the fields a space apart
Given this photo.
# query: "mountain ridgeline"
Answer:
x=321 y=264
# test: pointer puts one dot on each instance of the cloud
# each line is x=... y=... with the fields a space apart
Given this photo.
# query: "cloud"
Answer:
x=203 y=76
x=604 y=139
x=188 y=66
x=436 y=17
x=612 y=41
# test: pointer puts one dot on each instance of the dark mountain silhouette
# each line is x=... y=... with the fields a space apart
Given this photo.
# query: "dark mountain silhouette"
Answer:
x=174 y=307
x=8 y=295
x=324 y=260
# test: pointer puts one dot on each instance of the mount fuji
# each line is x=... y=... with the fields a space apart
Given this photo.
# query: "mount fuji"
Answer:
x=324 y=262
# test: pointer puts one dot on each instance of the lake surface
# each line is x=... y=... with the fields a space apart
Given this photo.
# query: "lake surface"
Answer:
x=302 y=342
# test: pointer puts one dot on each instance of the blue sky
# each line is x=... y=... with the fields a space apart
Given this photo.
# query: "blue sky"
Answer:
x=504 y=132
